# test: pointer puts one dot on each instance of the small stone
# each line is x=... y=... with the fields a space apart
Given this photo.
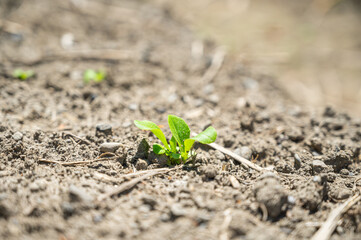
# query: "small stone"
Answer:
x=5 y=209
x=234 y=182
x=340 y=193
x=318 y=166
x=79 y=195
x=34 y=187
x=141 y=165
x=247 y=124
x=219 y=155
x=295 y=134
x=317 y=179
x=291 y=200
x=127 y=124
x=97 y=218
x=109 y=147
x=68 y=209
x=213 y=98
x=149 y=200
x=208 y=89
x=198 y=102
x=177 y=210
x=244 y=152
x=297 y=161
x=329 y=112
x=270 y=192
x=17 y=136
x=133 y=106
x=228 y=142
x=104 y=128
x=160 y=109
x=210 y=172
x=344 y=172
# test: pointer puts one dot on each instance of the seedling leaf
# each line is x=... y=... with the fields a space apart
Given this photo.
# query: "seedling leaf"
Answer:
x=175 y=155
x=158 y=149
x=90 y=75
x=173 y=145
x=22 y=75
x=207 y=136
x=181 y=137
x=179 y=129
x=151 y=126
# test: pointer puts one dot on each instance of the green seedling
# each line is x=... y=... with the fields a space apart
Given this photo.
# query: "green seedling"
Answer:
x=23 y=75
x=90 y=75
x=180 y=146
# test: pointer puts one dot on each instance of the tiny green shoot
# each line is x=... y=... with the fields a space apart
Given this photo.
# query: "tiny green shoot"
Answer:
x=23 y=74
x=180 y=146
x=90 y=75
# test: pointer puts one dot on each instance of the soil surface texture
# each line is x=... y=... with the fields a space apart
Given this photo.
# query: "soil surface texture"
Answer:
x=66 y=147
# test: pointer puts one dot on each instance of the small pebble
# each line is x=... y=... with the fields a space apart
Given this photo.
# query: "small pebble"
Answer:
x=34 y=187
x=17 y=136
x=244 y=152
x=219 y=155
x=319 y=166
x=210 y=172
x=344 y=172
x=141 y=165
x=317 y=179
x=104 y=128
x=67 y=208
x=133 y=106
x=291 y=200
x=297 y=161
x=78 y=194
x=109 y=147
x=177 y=210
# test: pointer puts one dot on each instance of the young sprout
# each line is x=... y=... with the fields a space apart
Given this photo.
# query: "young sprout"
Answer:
x=90 y=75
x=22 y=74
x=180 y=146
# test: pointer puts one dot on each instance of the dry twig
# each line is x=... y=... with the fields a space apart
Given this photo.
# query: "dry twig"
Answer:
x=238 y=158
x=326 y=230
x=130 y=184
x=224 y=227
x=79 y=162
x=106 y=178
x=75 y=138
x=216 y=65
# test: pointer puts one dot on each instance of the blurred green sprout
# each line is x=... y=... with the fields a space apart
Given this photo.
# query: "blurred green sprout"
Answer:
x=23 y=74
x=91 y=75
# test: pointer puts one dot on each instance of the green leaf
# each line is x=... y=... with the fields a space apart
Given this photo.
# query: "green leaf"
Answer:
x=158 y=149
x=179 y=129
x=207 y=136
x=151 y=126
x=22 y=75
x=175 y=155
x=173 y=145
x=100 y=76
x=89 y=75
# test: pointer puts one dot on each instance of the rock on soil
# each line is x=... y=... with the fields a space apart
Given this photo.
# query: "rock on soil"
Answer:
x=109 y=147
x=244 y=152
x=270 y=192
x=104 y=129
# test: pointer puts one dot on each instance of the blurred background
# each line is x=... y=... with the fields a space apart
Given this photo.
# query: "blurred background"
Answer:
x=312 y=47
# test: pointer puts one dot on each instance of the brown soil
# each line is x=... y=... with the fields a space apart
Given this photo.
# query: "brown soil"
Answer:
x=152 y=73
